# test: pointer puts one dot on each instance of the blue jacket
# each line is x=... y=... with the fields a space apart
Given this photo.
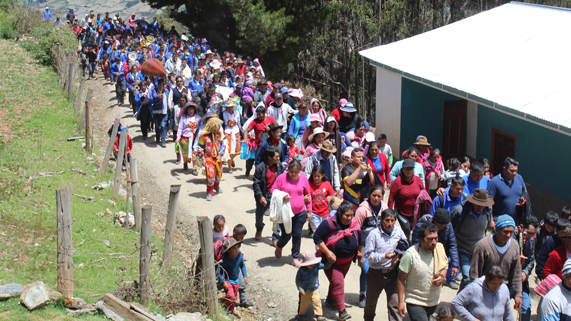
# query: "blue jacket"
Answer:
x=131 y=80
x=445 y=236
x=229 y=269
x=106 y=27
x=104 y=52
x=548 y=246
x=118 y=68
x=448 y=202
x=46 y=14
x=308 y=279
x=261 y=153
x=139 y=102
x=155 y=26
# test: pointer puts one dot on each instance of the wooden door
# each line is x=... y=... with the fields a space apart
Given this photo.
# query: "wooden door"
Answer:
x=503 y=145
x=454 y=138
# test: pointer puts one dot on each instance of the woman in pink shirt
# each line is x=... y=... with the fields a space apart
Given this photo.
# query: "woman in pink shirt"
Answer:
x=297 y=186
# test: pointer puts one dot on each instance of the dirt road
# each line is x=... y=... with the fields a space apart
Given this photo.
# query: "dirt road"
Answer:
x=272 y=281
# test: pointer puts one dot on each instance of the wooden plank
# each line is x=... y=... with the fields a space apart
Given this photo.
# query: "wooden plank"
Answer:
x=123 y=309
x=105 y=162
x=207 y=259
x=142 y=310
x=145 y=255
x=71 y=81
x=64 y=241
x=119 y=164
x=136 y=194
x=171 y=225
x=87 y=129
x=79 y=97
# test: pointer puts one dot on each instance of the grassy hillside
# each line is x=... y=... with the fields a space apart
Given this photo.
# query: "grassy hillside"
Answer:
x=35 y=160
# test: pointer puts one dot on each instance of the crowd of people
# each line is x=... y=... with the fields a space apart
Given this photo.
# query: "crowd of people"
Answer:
x=443 y=223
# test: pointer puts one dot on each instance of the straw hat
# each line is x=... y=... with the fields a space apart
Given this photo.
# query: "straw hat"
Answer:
x=317 y=131
x=422 y=141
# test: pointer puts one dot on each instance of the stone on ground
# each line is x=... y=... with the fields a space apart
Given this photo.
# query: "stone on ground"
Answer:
x=10 y=290
x=38 y=295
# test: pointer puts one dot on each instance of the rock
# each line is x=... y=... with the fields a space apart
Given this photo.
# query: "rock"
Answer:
x=186 y=316
x=75 y=303
x=10 y=290
x=38 y=295
x=75 y=313
x=272 y=305
x=225 y=317
x=108 y=313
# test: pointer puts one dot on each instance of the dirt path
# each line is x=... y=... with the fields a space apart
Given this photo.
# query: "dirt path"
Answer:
x=272 y=281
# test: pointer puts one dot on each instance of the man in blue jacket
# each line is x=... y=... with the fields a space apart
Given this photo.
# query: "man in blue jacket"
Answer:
x=46 y=14
x=275 y=140
x=452 y=196
x=120 y=86
x=446 y=236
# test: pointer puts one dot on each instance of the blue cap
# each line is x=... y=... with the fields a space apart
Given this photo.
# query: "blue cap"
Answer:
x=123 y=129
x=504 y=220
x=284 y=91
x=367 y=127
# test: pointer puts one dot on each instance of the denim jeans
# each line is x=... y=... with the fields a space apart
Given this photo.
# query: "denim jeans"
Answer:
x=449 y=277
x=160 y=127
x=363 y=277
x=526 y=302
x=316 y=220
x=260 y=211
x=297 y=223
x=465 y=263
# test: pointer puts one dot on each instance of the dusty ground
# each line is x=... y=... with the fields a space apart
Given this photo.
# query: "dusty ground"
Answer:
x=272 y=281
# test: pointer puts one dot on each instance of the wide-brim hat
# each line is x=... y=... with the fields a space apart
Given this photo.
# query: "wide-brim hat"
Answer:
x=275 y=126
x=317 y=131
x=189 y=104
x=349 y=108
x=239 y=60
x=211 y=86
x=229 y=243
x=309 y=258
x=208 y=52
x=480 y=197
x=422 y=141
x=328 y=147
x=296 y=93
x=215 y=64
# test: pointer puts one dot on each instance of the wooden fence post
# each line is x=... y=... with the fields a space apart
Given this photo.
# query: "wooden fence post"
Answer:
x=119 y=164
x=128 y=179
x=171 y=225
x=79 y=97
x=207 y=258
x=64 y=70
x=105 y=162
x=82 y=119
x=64 y=241
x=136 y=194
x=87 y=129
x=145 y=255
x=71 y=86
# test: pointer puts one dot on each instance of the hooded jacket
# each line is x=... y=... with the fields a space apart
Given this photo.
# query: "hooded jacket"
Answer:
x=367 y=218
x=476 y=301
x=321 y=113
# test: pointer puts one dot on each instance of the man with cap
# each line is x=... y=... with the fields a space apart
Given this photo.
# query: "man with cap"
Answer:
x=470 y=221
x=280 y=111
x=70 y=16
x=272 y=96
x=556 y=304
x=288 y=99
x=446 y=236
x=46 y=14
x=422 y=271
x=381 y=251
x=325 y=157
x=262 y=92
x=503 y=249
x=275 y=140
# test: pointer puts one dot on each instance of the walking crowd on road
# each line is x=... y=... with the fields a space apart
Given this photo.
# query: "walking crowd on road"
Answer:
x=412 y=223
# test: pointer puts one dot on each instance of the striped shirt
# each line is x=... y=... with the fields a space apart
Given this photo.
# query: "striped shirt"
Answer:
x=380 y=243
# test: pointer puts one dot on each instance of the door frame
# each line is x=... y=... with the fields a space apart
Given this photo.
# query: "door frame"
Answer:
x=501 y=132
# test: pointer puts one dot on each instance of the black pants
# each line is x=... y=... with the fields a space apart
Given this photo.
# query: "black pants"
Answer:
x=405 y=223
x=120 y=89
x=132 y=100
x=145 y=128
x=420 y=313
x=297 y=222
x=249 y=165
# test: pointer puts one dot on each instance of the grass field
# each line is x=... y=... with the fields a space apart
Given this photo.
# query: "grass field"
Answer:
x=35 y=160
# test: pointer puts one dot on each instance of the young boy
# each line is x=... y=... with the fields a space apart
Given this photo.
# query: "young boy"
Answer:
x=129 y=145
x=238 y=234
x=385 y=148
x=229 y=270
x=307 y=282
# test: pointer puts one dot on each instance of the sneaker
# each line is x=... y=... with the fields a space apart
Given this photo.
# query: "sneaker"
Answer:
x=362 y=300
x=163 y=145
x=195 y=172
x=343 y=315
x=185 y=165
x=218 y=190
x=230 y=170
x=321 y=318
x=258 y=236
x=278 y=252
x=178 y=162
x=453 y=285
x=246 y=304
x=331 y=304
x=209 y=197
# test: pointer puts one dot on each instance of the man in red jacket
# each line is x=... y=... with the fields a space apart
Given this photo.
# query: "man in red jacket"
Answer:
x=557 y=257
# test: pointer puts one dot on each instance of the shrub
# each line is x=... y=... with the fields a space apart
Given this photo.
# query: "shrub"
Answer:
x=43 y=38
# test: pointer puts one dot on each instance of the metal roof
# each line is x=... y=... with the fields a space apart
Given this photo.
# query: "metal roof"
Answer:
x=515 y=58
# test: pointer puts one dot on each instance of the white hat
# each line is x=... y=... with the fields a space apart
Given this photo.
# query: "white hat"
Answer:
x=296 y=93
x=348 y=108
x=369 y=137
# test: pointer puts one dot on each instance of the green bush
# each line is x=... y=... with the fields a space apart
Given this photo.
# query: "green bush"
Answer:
x=42 y=39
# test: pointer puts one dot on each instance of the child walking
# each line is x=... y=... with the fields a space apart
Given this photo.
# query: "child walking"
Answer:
x=238 y=234
x=321 y=190
x=220 y=230
x=228 y=273
x=292 y=148
x=307 y=282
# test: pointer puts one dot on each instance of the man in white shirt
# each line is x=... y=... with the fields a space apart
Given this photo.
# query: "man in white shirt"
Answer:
x=279 y=111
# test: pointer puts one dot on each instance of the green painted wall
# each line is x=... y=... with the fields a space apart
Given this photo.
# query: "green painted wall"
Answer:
x=422 y=113
x=536 y=149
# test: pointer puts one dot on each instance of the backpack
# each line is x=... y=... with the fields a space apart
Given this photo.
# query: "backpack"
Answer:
x=218 y=250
